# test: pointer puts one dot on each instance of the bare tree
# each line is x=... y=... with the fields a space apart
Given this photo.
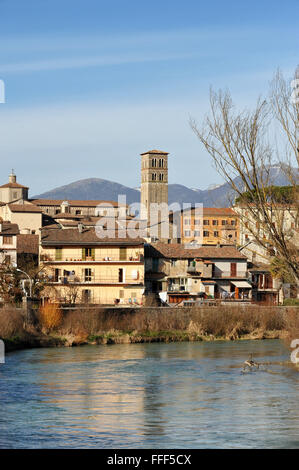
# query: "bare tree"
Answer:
x=239 y=144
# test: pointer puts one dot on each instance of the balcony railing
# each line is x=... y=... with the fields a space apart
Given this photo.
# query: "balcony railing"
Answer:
x=177 y=288
x=97 y=259
x=230 y=274
x=70 y=280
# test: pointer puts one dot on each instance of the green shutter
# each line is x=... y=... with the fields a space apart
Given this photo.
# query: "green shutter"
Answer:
x=83 y=254
x=93 y=253
x=58 y=254
x=123 y=253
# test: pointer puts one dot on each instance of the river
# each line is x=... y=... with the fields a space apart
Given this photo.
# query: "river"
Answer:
x=177 y=395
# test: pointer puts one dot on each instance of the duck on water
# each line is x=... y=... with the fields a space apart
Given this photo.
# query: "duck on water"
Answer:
x=250 y=363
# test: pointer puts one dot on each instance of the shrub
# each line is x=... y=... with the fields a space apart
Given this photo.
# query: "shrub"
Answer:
x=291 y=302
x=11 y=322
x=50 y=316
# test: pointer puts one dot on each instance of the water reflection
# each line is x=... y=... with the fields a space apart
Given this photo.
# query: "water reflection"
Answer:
x=155 y=395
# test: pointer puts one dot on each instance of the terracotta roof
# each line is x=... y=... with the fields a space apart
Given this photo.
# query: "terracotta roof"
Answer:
x=155 y=152
x=28 y=244
x=13 y=185
x=24 y=208
x=87 y=237
x=64 y=215
x=179 y=251
x=72 y=202
x=9 y=229
x=225 y=211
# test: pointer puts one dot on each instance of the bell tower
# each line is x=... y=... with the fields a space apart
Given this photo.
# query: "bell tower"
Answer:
x=154 y=180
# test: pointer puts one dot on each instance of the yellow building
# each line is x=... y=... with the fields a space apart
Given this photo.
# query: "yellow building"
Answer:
x=215 y=225
x=81 y=267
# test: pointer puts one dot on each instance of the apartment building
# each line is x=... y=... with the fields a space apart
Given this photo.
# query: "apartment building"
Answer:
x=215 y=271
x=80 y=267
x=8 y=243
x=214 y=225
x=54 y=207
x=284 y=218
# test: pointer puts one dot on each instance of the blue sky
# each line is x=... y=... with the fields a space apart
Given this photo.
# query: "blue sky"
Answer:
x=92 y=84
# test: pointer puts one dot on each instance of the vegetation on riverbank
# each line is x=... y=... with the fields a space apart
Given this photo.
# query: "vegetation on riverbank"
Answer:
x=50 y=326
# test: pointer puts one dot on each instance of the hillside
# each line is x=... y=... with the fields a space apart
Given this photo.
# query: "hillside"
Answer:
x=97 y=188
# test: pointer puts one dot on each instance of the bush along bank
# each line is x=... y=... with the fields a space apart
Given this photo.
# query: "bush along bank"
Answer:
x=52 y=327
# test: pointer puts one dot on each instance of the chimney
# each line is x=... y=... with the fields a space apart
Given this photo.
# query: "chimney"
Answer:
x=12 y=177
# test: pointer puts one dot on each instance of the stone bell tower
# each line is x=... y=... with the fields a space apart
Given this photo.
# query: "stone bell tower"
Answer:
x=154 y=180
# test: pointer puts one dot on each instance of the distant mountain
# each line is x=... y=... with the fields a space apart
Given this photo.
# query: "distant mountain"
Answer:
x=96 y=188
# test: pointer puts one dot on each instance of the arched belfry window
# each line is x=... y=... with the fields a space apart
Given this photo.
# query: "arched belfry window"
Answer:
x=154 y=162
x=161 y=177
x=161 y=163
x=154 y=176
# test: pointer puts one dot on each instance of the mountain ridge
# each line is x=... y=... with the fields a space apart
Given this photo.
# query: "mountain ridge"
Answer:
x=102 y=189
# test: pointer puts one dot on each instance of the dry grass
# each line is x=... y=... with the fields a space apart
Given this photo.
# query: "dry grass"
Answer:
x=229 y=322
x=291 y=317
x=11 y=322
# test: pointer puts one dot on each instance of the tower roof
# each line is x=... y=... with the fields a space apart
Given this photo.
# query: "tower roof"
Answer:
x=155 y=152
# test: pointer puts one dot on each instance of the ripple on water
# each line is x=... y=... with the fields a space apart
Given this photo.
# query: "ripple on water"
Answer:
x=179 y=395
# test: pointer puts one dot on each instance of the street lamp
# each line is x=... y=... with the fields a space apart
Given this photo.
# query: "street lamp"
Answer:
x=30 y=281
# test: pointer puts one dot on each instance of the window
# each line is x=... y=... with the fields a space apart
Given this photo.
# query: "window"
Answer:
x=196 y=233
x=196 y=222
x=233 y=222
x=123 y=253
x=161 y=163
x=216 y=234
x=121 y=294
x=206 y=234
x=224 y=222
x=78 y=212
x=154 y=176
x=206 y=222
x=161 y=177
x=88 y=254
x=58 y=254
x=86 y=295
x=233 y=269
x=7 y=239
x=120 y=275
x=173 y=262
x=87 y=275
x=215 y=222
x=7 y=259
x=57 y=274
x=154 y=162
x=187 y=233
x=187 y=221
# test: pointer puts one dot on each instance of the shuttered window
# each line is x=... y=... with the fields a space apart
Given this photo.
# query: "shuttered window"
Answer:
x=58 y=254
x=123 y=254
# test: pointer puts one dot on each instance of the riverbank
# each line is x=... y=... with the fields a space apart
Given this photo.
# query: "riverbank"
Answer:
x=74 y=327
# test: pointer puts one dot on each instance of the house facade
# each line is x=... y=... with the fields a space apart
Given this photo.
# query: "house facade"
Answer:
x=81 y=267
x=216 y=272
x=8 y=243
x=211 y=226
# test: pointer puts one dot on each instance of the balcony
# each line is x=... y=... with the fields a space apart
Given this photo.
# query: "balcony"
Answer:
x=89 y=259
x=77 y=280
x=230 y=275
x=177 y=288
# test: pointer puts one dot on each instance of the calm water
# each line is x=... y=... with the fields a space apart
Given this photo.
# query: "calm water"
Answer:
x=180 y=395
